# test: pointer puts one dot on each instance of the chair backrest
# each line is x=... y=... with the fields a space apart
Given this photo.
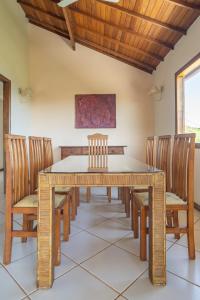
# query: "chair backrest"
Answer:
x=151 y=150
x=98 y=151
x=36 y=157
x=17 y=177
x=163 y=157
x=183 y=166
x=48 y=152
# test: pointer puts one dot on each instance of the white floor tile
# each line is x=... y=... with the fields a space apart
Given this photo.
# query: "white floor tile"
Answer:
x=133 y=245
x=179 y=263
x=116 y=267
x=85 y=220
x=121 y=298
x=108 y=210
x=24 y=271
x=183 y=240
x=82 y=246
x=9 y=290
x=74 y=230
x=76 y=285
x=176 y=288
x=197 y=225
x=110 y=230
x=123 y=219
x=20 y=250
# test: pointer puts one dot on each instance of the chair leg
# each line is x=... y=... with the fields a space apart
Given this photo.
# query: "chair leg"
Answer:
x=119 y=193
x=57 y=244
x=135 y=218
x=169 y=219
x=73 y=205
x=8 y=239
x=190 y=233
x=77 y=196
x=66 y=221
x=109 y=193
x=88 y=194
x=176 y=223
x=25 y=227
x=127 y=202
x=143 y=235
x=122 y=195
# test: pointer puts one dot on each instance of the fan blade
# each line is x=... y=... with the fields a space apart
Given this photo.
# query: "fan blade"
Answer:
x=65 y=3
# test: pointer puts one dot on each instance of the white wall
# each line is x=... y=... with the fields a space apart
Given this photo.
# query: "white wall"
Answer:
x=14 y=61
x=1 y=125
x=185 y=50
x=58 y=73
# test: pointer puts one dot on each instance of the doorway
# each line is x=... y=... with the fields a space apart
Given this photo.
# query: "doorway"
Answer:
x=5 y=103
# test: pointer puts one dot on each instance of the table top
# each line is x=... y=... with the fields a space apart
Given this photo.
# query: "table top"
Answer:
x=116 y=164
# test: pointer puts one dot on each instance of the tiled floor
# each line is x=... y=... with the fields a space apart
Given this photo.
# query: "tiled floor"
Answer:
x=100 y=261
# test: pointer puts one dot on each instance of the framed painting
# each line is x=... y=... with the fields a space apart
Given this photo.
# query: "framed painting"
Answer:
x=95 y=111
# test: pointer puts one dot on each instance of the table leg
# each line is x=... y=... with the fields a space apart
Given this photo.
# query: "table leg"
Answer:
x=45 y=263
x=157 y=228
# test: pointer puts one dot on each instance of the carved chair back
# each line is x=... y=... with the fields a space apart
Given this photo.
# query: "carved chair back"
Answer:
x=36 y=157
x=98 y=151
x=17 y=177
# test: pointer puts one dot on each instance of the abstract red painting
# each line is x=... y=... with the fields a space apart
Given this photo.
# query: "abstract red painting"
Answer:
x=95 y=111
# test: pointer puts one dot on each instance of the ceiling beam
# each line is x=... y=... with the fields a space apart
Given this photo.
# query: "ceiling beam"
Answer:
x=70 y=25
x=142 y=66
x=124 y=29
x=119 y=43
x=47 y=13
x=187 y=5
x=154 y=56
x=144 y=17
x=133 y=61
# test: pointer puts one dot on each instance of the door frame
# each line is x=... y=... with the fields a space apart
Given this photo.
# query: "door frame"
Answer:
x=6 y=107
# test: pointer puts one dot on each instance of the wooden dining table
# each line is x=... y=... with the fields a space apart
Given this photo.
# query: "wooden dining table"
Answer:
x=123 y=171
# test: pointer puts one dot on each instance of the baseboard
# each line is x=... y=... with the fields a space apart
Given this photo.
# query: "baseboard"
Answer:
x=197 y=206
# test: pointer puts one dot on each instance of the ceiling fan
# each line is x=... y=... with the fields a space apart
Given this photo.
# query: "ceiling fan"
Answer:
x=64 y=3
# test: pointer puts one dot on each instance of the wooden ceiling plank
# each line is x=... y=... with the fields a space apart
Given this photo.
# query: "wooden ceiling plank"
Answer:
x=49 y=27
x=187 y=5
x=144 y=17
x=70 y=27
x=121 y=28
x=124 y=29
x=124 y=45
x=140 y=65
x=50 y=14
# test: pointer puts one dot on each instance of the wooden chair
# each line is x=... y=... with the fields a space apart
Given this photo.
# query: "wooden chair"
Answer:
x=62 y=190
x=150 y=150
x=48 y=152
x=40 y=156
x=98 y=157
x=180 y=197
x=20 y=201
x=36 y=158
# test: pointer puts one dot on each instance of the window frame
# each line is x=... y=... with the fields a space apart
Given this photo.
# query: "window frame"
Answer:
x=177 y=76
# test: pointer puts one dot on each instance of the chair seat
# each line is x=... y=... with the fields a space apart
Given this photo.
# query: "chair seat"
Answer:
x=171 y=199
x=32 y=201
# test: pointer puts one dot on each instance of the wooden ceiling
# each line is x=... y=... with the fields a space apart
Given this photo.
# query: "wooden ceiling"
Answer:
x=137 y=32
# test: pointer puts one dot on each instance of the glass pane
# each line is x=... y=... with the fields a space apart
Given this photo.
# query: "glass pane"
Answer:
x=192 y=104
x=116 y=164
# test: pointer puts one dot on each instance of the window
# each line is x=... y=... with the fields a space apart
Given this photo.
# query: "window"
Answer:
x=188 y=98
